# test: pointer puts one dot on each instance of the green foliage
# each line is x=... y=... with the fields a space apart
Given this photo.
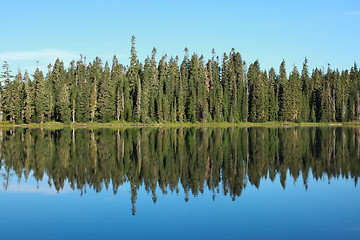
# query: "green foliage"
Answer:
x=40 y=96
x=194 y=90
x=168 y=159
x=64 y=104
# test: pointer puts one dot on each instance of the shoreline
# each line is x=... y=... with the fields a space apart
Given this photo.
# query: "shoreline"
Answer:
x=160 y=125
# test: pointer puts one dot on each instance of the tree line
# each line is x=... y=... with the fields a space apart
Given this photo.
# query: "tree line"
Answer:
x=191 y=90
x=193 y=160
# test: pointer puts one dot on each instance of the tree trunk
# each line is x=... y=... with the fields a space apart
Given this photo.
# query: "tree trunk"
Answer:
x=73 y=112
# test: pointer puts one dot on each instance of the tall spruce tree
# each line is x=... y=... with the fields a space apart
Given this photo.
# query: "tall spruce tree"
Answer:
x=28 y=99
x=172 y=91
x=63 y=105
x=293 y=94
x=133 y=75
x=257 y=93
x=5 y=91
x=105 y=103
x=40 y=96
x=117 y=81
x=17 y=99
x=283 y=93
x=272 y=96
x=83 y=92
x=306 y=93
x=183 y=87
x=215 y=98
x=73 y=88
x=57 y=80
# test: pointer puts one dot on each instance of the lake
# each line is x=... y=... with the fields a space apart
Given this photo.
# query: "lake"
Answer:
x=180 y=183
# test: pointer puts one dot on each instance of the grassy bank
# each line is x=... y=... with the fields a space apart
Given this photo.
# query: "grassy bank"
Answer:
x=58 y=125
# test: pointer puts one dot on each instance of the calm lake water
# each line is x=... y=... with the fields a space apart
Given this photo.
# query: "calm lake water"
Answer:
x=180 y=183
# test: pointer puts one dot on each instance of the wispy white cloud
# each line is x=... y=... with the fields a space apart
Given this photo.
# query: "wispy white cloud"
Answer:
x=38 y=55
x=356 y=13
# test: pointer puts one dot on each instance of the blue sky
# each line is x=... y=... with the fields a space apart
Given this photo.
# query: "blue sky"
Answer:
x=324 y=31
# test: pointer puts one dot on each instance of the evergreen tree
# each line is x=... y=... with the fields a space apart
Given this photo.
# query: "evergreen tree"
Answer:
x=146 y=89
x=133 y=75
x=257 y=93
x=5 y=93
x=272 y=96
x=105 y=103
x=327 y=98
x=40 y=96
x=293 y=93
x=96 y=73
x=283 y=93
x=161 y=100
x=183 y=87
x=354 y=96
x=57 y=80
x=316 y=82
x=195 y=79
x=63 y=106
x=93 y=101
x=28 y=99
x=83 y=92
x=226 y=88
x=73 y=88
x=16 y=99
x=306 y=93
x=117 y=81
x=154 y=85
x=172 y=88
x=215 y=94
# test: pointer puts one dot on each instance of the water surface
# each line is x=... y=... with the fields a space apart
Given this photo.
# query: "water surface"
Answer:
x=180 y=183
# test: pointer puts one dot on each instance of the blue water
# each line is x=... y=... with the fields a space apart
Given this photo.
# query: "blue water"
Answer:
x=207 y=183
x=325 y=210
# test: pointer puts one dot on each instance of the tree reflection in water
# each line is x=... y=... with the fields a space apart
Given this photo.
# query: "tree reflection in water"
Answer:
x=166 y=158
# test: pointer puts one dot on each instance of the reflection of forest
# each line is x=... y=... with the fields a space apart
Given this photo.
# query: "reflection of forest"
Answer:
x=196 y=158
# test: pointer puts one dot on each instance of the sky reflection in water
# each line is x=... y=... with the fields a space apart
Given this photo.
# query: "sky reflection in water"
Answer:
x=324 y=210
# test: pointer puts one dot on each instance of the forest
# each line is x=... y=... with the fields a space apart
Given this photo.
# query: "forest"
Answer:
x=169 y=160
x=193 y=90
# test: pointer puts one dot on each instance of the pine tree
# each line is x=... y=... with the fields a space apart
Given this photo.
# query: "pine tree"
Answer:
x=93 y=101
x=215 y=101
x=354 y=95
x=16 y=99
x=133 y=76
x=257 y=93
x=28 y=99
x=5 y=93
x=146 y=89
x=63 y=105
x=327 y=98
x=283 y=93
x=40 y=96
x=272 y=97
x=72 y=81
x=183 y=87
x=83 y=92
x=117 y=81
x=195 y=80
x=306 y=93
x=161 y=100
x=57 y=79
x=293 y=93
x=96 y=73
x=153 y=75
x=105 y=103
x=172 y=90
